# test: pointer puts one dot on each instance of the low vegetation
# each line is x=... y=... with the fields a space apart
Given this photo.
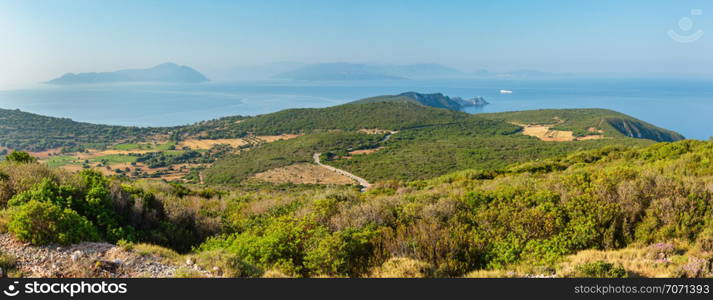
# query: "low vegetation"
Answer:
x=470 y=223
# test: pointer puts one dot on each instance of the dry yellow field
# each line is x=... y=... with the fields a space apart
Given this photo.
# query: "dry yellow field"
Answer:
x=272 y=138
x=303 y=173
x=46 y=153
x=545 y=133
x=196 y=144
x=366 y=151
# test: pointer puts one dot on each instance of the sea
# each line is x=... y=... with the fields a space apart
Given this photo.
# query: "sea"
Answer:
x=682 y=105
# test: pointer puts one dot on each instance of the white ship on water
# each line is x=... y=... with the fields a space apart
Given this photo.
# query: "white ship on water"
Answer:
x=505 y=92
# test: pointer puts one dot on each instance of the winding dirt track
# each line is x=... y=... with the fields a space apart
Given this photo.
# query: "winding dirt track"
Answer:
x=365 y=184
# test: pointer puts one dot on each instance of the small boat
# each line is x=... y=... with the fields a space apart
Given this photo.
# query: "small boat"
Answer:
x=505 y=92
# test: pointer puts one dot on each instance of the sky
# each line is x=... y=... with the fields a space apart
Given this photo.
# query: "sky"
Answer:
x=43 y=39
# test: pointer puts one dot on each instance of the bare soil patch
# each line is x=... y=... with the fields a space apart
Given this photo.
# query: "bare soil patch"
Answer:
x=207 y=144
x=46 y=153
x=374 y=131
x=272 y=138
x=304 y=173
x=365 y=151
x=546 y=133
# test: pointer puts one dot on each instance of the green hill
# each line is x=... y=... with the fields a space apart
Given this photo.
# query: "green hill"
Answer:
x=383 y=115
x=430 y=141
x=580 y=121
x=28 y=131
x=436 y=100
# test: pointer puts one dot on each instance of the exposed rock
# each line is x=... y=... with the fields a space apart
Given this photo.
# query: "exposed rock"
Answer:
x=86 y=259
x=76 y=255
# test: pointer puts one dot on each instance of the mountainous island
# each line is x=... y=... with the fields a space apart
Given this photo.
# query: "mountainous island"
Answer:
x=402 y=185
x=167 y=73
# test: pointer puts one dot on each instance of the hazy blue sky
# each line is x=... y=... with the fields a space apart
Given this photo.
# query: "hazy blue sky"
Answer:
x=41 y=39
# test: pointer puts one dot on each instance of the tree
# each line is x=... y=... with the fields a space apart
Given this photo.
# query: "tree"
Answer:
x=20 y=157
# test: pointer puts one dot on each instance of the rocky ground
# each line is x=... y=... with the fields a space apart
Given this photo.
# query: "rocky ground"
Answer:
x=88 y=260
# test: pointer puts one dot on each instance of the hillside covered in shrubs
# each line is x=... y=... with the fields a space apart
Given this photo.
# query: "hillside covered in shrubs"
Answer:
x=529 y=219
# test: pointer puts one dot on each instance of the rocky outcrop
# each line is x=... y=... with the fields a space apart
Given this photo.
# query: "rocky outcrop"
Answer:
x=477 y=101
x=85 y=259
x=442 y=101
x=641 y=130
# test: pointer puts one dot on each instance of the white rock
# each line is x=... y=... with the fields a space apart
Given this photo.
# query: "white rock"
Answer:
x=76 y=255
x=189 y=261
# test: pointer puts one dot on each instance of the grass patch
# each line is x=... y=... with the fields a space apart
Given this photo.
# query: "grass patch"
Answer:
x=143 y=249
x=111 y=159
x=145 y=146
x=62 y=160
x=184 y=272
x=126 y=147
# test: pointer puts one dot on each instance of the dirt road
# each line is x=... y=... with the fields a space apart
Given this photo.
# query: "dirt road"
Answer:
x=365 y=184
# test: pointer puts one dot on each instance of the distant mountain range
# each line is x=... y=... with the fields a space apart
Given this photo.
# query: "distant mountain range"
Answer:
x=350 y=71
x=339 y=71
x=167 y=72
x=173 y=73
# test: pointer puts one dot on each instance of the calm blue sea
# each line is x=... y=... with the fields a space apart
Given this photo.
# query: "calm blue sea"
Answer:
x=682 y=105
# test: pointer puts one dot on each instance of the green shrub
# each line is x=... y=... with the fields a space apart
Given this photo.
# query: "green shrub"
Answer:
x=46 y=191
x=280 y=245
x=600 y=269
x=8 y=266
x=344 y=252
x=95 y=205
x=226 y=264
x=20 y=157
x=43 y=223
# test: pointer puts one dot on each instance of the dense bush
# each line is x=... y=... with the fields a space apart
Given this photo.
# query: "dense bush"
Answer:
x=226 y=264
x=20 y=157
x=600 y=269
x=343 y=253
x=44 y=222
x=532 y=214
x=106 y=209
x=92 y=204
